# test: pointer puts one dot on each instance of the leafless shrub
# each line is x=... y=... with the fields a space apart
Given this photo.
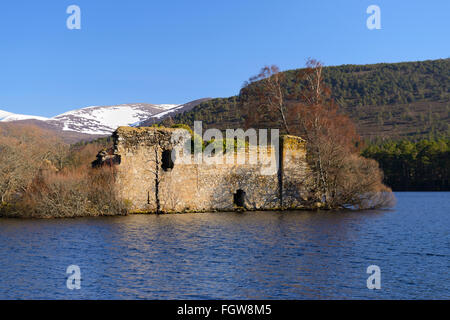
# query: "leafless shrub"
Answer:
x=72 y=193
x=40 y=176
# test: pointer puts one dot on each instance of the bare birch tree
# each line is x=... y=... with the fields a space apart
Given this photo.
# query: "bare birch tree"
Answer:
x=339 y=176
x=263 y=95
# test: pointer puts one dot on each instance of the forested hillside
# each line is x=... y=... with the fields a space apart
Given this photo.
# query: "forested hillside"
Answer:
x=409 y=100
x=424 y=165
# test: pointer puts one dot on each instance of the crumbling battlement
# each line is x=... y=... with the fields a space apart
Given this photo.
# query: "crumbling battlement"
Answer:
x=148 y=178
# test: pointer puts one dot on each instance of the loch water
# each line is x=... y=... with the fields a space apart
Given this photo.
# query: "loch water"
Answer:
x=251 y=255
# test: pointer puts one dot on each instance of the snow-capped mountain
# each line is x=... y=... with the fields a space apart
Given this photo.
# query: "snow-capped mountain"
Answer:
x=106 y=119
x=6 y=116
x=95 y=120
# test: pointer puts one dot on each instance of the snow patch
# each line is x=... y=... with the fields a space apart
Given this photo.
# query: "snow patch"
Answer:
x=167 y=106
x=6 y=116
x=161 y=114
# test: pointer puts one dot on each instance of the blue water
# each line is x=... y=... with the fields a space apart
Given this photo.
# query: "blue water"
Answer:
x=253 y=255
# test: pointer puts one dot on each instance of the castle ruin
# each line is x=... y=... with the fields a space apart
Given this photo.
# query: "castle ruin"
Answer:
x=149 y=180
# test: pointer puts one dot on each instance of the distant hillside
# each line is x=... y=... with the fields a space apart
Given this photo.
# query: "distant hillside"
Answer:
x=172 y=112
x=90 y=122
x=413 y=166
x=387 y=100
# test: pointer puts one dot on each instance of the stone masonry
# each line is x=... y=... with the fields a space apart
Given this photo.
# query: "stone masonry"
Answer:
x=146 y=175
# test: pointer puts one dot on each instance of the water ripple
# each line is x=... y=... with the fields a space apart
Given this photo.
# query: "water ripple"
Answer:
x=254 y=255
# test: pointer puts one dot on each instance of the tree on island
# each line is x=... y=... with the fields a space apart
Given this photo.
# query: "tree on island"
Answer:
x=339 y=177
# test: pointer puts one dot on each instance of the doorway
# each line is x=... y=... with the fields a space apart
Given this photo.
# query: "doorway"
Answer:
x=239 y=198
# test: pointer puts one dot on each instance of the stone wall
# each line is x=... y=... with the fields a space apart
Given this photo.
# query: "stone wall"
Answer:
x=143 y=176
x=293 y=172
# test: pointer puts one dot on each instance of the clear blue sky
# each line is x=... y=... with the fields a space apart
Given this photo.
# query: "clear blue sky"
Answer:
x=177 y=51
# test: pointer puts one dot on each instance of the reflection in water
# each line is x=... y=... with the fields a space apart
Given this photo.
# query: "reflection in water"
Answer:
x=254 y=255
